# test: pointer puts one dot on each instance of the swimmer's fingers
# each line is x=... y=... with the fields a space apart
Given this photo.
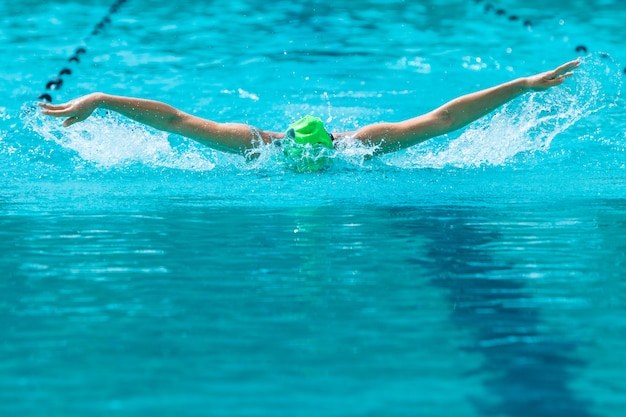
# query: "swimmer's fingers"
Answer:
x=74 y=118
x=50 y=106
x=552 y=78
x=559 y=74
x=56 y=110
x=75 y=110
x=566 y=68
x=559 y=79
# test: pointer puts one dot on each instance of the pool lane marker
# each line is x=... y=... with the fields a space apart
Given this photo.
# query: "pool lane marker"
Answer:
x=528 y=24
x=57 y=82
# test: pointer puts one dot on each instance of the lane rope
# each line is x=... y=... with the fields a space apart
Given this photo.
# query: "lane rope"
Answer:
x=490 y=8
x=57 y=82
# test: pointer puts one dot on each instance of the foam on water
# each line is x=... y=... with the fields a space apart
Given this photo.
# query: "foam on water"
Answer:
x=109 y=141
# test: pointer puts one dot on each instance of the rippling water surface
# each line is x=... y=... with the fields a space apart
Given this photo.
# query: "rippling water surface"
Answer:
x=479 y=274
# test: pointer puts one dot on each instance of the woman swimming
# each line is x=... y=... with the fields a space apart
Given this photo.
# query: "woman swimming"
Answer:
x=241 y=138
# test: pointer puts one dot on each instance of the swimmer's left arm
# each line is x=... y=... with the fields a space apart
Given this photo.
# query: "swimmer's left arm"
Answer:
x=391 y=137
x=471 y=107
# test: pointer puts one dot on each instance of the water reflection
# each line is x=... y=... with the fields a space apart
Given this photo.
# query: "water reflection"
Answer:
x=332 y=301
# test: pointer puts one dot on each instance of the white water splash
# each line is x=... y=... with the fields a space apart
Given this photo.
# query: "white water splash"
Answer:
x=110 y=142
x=527 y=125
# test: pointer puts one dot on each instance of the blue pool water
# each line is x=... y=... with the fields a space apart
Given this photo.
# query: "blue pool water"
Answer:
x=479 y=274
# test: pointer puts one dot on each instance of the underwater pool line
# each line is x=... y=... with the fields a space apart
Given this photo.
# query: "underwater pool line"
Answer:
x=538 y=381
x=57 y=82
x=492 y=10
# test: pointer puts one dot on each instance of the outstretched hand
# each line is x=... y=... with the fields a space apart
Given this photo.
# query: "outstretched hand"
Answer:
x=552 y=78
x=76 y=110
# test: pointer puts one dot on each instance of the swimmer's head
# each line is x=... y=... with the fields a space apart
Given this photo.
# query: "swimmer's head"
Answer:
x=309 y=130
x=307 y=144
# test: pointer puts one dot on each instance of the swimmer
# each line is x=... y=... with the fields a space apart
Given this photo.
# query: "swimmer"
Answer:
x=385 y=137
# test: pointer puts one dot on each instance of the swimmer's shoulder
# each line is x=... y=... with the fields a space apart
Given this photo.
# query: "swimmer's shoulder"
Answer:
x=342 y=135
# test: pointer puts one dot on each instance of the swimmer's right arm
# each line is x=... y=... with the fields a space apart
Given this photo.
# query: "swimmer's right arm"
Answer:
x=152 y=113
x=229 y=137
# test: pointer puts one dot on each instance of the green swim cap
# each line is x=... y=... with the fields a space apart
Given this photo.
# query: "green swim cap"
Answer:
x=307 y=146
x=310 y=130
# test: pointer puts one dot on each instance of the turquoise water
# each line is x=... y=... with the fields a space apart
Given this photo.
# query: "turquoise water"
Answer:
x=479 y=274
